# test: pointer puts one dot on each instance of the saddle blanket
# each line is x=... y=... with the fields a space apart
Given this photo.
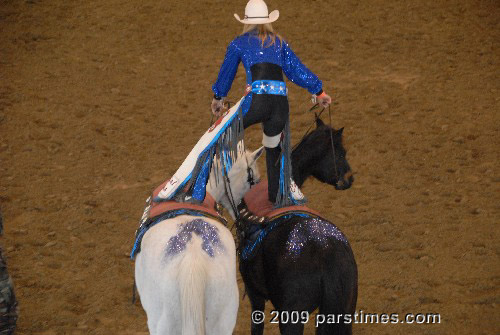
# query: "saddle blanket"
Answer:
x=260 y=217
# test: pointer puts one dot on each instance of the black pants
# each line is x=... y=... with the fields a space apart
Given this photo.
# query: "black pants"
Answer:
x=273 y=112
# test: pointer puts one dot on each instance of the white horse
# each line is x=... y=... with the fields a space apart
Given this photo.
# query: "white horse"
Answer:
x=186 y=270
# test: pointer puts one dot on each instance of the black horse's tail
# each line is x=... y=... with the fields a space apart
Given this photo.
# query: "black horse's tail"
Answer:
x=339 y=287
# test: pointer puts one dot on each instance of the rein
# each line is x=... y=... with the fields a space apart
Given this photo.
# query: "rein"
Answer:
x=333 y=147
x=229 y=194
x=308 y=131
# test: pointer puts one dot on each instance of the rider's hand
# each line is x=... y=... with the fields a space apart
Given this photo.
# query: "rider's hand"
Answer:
x=324 y=99
x=217 y=106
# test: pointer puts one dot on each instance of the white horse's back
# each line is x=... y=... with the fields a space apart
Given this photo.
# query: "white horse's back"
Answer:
x=186 y=277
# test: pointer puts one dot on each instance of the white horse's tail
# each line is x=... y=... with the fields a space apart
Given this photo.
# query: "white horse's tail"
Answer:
x=192 y=282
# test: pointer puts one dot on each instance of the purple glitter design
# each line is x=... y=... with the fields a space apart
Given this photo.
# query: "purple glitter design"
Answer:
x=212 y=244
x=312 y=230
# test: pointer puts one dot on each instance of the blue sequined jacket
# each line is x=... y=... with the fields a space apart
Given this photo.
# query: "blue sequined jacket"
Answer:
x=248 y=49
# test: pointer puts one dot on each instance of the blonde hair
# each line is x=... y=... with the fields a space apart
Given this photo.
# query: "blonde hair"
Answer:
x=264 y=30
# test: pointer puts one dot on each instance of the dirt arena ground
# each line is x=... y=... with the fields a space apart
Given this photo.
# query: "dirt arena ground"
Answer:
x=100 y=101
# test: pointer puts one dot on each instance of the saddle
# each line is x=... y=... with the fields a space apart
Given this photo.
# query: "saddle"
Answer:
x=208 y=206
x=258 y=217
x=157 y=211
x=256 y=203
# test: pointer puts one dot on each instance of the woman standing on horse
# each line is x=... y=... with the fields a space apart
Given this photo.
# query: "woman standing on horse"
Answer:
x=265 y=57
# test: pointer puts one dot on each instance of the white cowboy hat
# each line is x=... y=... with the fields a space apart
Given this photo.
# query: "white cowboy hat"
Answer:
x=256 y=13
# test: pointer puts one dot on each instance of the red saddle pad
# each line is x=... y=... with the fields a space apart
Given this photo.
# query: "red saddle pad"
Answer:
x=157 y=208
x=258 y=203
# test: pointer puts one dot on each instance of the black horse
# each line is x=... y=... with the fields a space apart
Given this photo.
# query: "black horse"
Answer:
x=304 y=262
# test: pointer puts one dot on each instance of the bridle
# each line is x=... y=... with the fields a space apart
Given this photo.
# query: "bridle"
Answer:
x=250 y=176
x=227 y=185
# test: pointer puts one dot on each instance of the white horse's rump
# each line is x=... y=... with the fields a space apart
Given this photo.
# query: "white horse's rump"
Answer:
x=186 y=277
x=186 y=269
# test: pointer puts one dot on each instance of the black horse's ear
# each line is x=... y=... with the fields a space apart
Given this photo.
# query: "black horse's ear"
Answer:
x=340 y=131
x=319 y=122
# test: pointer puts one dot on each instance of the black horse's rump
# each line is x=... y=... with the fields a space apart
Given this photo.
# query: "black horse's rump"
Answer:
x=303 y=264
x=308 y=228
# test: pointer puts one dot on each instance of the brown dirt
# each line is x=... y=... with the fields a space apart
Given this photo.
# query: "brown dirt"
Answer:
x=101 y=100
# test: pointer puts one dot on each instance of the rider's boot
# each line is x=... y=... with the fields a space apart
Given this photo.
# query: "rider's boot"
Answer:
x=274 y=170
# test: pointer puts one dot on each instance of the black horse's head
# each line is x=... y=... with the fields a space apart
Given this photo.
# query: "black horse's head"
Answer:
x=322 y=155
